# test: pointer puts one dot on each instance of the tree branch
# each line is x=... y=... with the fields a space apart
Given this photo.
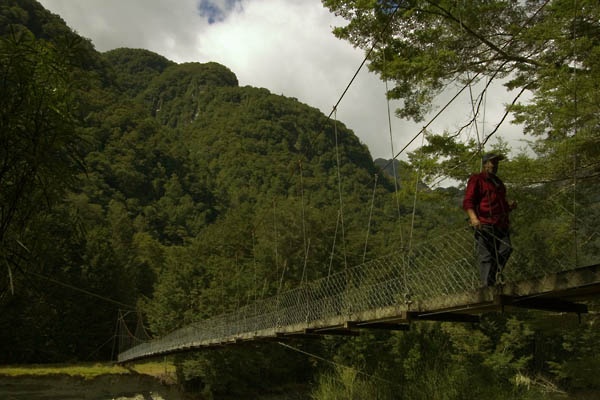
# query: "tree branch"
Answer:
x=484 y=40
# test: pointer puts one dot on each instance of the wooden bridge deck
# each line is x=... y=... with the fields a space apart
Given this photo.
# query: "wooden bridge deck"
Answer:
x=557 y=292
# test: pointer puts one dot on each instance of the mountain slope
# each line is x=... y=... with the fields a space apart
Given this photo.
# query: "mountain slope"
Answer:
x=173 y=160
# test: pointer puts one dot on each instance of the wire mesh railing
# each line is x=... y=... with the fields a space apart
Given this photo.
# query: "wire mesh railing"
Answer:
x=442 y=266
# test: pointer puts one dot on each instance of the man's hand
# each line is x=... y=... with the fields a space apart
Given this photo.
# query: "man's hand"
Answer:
x=475 y=223
x=473 y=220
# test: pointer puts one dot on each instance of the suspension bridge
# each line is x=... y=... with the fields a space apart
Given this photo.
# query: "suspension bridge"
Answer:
x=437 y=280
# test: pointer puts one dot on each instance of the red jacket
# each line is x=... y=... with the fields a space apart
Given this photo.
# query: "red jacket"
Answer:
x=486 y=194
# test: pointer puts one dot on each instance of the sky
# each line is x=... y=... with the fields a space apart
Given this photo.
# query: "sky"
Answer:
x=285 y=46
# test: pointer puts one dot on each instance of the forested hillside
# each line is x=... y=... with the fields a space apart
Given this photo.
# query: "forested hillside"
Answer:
x=133 y=184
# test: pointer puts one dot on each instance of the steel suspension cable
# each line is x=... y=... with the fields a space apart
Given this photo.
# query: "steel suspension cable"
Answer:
x=337 y=224
x=474 y=111
x=370 y=216
x=10 y=277
x=87 y=292
x=339 y=179
x=414 y=210
x=306 y=242
x=334 y=111
x=385 y=28
x=337 y=364
x=389 y=121
x=276 y=252
x=276 y=244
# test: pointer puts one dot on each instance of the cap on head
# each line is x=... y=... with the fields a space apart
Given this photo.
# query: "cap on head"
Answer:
x=491 y=156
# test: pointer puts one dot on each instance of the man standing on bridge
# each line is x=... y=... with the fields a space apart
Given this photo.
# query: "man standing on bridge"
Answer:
x=487 y=207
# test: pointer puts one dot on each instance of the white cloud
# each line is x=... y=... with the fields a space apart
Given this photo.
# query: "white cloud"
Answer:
x=285 y=46
x=155 y=25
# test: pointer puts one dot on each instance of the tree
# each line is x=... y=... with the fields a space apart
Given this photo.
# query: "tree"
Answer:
x=39 y=141
x=134 y=69
x=549 y=49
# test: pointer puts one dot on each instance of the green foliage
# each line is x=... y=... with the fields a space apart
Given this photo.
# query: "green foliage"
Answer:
x=38 y=142
x=505 y=356
x=173 y=97
x=345 y=383
x=40 y=154
x=233 y=372
x=546 y=49
x=131 y=181
x=573 y=361
x=134 y=69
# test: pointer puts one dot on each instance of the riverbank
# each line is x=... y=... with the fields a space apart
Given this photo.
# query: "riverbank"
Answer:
x=89 y=382
x=147 y=381
x=108 y=387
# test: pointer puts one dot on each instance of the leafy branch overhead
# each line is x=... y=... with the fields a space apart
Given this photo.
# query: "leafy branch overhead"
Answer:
x=423 y=46
x=547 y=53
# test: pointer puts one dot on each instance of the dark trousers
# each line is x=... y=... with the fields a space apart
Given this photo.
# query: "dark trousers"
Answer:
x=493 y=249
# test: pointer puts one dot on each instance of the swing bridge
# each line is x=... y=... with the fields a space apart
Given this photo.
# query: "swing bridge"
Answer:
x=436 y=280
